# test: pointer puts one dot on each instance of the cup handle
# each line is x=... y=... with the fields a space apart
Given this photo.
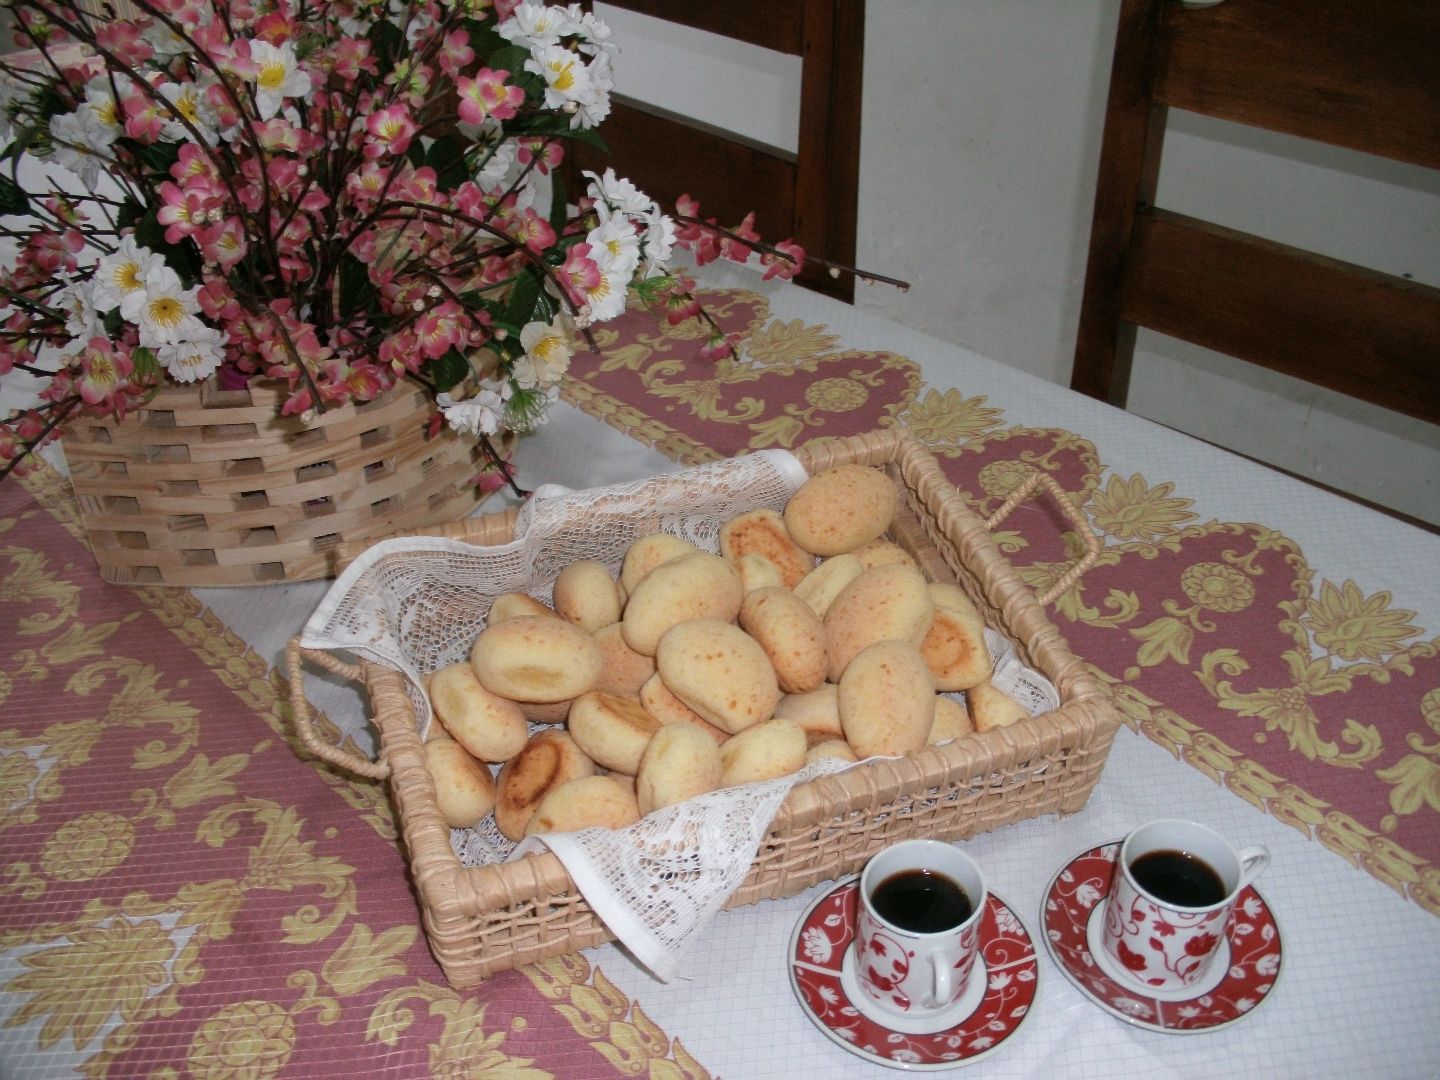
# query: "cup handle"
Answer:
x=943 y=983
x=1253 y=861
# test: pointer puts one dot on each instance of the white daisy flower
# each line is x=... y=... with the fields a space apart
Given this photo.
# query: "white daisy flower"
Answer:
x=277 y=76
x=606 y=299
x=101 y=102
x=122 y=273
x=547 y=354
x=615 y=247
x=165 y=312
x=567 y=80
x=82 y=144
x=616 y=195
x=189 y=101
x=536 y=26
x=195 y=357
x=82 y=321
x=479 y=415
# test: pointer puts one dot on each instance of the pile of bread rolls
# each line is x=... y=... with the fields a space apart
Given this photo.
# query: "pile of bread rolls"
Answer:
x=808 y=636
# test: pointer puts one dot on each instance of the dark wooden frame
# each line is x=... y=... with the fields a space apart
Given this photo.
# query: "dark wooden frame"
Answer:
x=1362 y=74
x=810 y=195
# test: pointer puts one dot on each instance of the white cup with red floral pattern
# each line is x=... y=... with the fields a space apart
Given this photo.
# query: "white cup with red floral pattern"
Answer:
x=1170 y=902
x=918 y=928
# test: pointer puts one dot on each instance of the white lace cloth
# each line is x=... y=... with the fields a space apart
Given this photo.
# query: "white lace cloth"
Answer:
x=417 y=604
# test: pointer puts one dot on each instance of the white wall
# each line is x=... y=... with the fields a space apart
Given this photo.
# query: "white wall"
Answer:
x=981 y=134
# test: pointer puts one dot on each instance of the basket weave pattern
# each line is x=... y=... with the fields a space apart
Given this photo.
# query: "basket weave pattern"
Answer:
x=484 y=920
x=205 y=486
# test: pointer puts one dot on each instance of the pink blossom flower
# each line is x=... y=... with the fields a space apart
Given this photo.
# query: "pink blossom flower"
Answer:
x=352 y=57
x=487 y=95
x=390 y=131
x=579 y=273
x=122 y=37
x=441 y=329
x=546 y=153
x=776 y=265
x=455 y=53
x=103 y=371
x=182 y=211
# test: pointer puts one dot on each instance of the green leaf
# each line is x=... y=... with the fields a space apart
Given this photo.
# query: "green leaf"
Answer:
x=559 y=203
x=146 y=363
x=509 y=58
x=447 y=157
x=388 y=42
x=523 y=297
x=355 y=291
x=448 y=371
x=554 y=125
x=13 y=199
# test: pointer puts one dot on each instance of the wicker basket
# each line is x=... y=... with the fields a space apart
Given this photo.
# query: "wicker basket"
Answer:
x=205 y=486
x=484 y=920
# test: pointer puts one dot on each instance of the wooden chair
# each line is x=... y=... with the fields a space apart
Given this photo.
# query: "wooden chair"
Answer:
x=1362 y=74
x=809 y=195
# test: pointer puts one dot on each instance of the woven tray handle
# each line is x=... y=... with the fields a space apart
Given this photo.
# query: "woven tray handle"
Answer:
x=304 y=717
x=1083 y=528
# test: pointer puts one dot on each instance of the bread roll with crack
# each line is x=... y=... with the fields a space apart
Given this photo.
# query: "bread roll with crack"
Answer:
x=763 y=532
x=818 y=711
x=720 y=671
x=991 y=708
x=489 y=726
x=464 y=788
x=603 y=801
x=680 y=762
x=699 y=586
x=888 y=603
x=757 y=572
x=879 y=552
x=952 y=721
x=536 y=658
x=623 y=670
x=512 y=605
x=549 y=759
x=887 y=700
x=660 y=702
x=830 y=748
x=820 y=587
x=648 y=552
x=763 y=752
x=791 y=634
x=586 y=595
x=840 y=508
x=612 y=730
x=954 y=648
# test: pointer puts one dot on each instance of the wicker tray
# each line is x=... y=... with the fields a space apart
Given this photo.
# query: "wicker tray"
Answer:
x=484 y=920
x=204 y=486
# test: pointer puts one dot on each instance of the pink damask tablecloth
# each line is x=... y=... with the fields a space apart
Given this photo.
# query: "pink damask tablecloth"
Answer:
x=186 y=893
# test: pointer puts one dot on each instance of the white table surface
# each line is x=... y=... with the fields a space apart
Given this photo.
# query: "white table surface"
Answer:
x=1358 y=990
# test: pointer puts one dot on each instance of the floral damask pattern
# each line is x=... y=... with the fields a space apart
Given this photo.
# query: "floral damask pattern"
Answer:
x=185 y=894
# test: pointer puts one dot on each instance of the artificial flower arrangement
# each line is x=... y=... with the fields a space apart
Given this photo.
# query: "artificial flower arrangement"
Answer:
x=337 y=194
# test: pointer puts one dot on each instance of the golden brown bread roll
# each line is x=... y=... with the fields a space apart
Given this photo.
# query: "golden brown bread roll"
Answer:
x=887 y=700
x=464 y=788
x=490 y=727
x=763 y=752
x=840 y=508
x=880 y=551
x=623 y=670
x=612 y=730
x=586 y=595
x=830 y=748
x=511 y=605
x=661 y=703
x=791 y=634
x=757 y=572
x=549 y=759
x=949 y=595
x=818 y=711
x=699 y=586
x=991 y=708
x=546 y=712
x=680 y=762
x=536 y=658
x=888 y=603
x=951 y=721
x=720 y=671
x=648 y=552
x=954 y=648
x=585 y=803
x=763 y=532
x=820 y=587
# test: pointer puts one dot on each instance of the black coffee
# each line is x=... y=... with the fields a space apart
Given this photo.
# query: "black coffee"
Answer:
x=921 y=901
x=1177 y=877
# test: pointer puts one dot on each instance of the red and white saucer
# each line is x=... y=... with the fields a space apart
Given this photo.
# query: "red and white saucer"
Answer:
x=1241 y=977
x=1000 y=996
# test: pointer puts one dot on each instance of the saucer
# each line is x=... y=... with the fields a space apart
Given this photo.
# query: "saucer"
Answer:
x=990 y=1011
x=1241 y=978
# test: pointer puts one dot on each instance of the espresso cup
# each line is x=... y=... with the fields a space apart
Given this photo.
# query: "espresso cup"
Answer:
x=918 y=927
x=1171 y=899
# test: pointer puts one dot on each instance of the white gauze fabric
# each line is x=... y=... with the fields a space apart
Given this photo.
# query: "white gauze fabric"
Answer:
x=416 y=604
